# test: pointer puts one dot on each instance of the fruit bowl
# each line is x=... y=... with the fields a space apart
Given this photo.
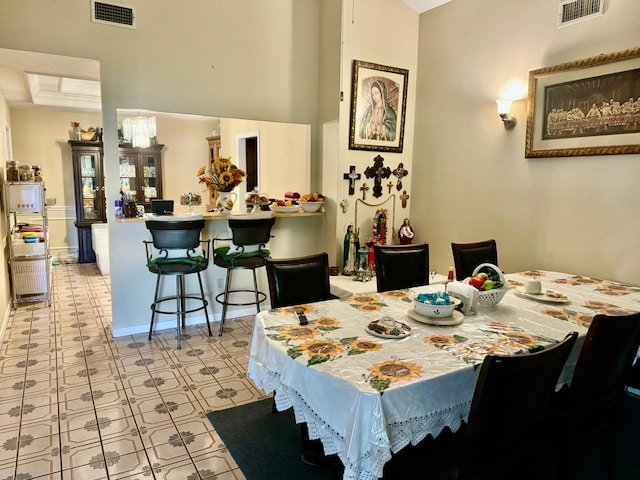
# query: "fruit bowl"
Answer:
x=283 y=209
x=311 y=206
x=492 y=297
x=435 y=311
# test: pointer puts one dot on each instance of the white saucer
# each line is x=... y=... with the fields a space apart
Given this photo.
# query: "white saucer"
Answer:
x=455 y=319
x=544 y=296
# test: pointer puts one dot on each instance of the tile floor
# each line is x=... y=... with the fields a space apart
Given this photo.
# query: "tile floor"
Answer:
x=76 y=403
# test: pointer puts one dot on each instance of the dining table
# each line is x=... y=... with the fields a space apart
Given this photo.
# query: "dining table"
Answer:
x=366 y=396
x=349 y=285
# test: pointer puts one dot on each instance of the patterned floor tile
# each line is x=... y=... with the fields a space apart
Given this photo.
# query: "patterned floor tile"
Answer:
x=78 y=404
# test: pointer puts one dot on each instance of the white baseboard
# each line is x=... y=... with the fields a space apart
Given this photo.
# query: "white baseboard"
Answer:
x=169 y=321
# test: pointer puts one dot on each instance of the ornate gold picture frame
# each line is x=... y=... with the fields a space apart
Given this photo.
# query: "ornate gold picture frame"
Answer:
x=586 y=107
x=378 y=105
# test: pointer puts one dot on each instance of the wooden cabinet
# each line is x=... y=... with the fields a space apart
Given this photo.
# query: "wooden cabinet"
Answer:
x=214 y=151
x=89 y=194
x=141 y=173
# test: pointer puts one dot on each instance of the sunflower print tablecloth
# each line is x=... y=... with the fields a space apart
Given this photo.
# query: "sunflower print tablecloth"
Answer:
x=366 y=396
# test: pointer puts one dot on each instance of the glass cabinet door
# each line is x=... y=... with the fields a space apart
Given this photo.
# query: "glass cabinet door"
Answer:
x=149 y=178
x=90 y=186
x=128 y=176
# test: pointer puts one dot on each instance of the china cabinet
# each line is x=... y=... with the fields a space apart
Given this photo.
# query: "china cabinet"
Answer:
x=214 y=151
x=140 y=176
x=89 y=193
x=141 y=173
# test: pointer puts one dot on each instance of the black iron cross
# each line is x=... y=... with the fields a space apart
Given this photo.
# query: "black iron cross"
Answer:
x=400 y=173
x=377 y=172
x=352 y=176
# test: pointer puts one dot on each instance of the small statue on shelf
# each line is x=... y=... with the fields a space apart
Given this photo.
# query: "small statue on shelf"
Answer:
x=405 y=234
x=380 y=226
x=351 y=246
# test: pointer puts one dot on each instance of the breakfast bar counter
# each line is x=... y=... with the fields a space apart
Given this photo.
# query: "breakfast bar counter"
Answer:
x=294 y=234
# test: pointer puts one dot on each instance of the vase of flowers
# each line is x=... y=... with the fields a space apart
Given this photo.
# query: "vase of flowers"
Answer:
x=222 y=177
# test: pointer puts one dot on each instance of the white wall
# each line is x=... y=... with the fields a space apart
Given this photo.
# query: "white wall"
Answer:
x=249 y=59
x=471 y=180
x=385 y=33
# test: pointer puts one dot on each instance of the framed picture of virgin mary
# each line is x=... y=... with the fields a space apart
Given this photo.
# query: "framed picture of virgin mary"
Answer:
x=378 y=105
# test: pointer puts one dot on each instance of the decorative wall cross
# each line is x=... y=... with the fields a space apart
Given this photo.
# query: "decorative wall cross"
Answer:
x=400 y=173
x=390 y=186
x=404 y=197
x=364 y=189
x=377 y=172
x=352 y=176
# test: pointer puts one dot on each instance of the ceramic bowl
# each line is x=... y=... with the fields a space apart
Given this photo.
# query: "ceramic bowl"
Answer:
x=435 y=311
x=311 y=206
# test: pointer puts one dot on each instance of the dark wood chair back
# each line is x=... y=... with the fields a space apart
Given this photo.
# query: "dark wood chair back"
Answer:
x=401 y=266
x=467 y=256
x=294 y=281
x=604 y=365
x=509 y=405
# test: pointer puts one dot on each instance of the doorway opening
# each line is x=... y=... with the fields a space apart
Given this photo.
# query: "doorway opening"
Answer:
x=248 y=155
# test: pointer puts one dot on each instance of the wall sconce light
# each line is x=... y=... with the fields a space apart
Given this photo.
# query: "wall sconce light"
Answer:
x=504 y=105
x=140 y=131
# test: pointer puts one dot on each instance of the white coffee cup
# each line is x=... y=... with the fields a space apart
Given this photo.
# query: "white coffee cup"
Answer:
x=533 y=287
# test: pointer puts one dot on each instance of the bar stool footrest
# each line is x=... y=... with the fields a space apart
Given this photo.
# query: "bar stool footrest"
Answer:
x=174 y=298
x=261 y=297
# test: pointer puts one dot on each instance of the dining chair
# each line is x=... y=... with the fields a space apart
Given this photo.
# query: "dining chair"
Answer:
x=177 y=250
x=298 y=280
x=250 y=235
x=587 y=410
x=401 y=266
x=467 y=256
x=501 y=439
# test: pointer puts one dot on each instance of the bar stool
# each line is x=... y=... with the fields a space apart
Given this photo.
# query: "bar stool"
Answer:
x=176 y=249
x=250 y=235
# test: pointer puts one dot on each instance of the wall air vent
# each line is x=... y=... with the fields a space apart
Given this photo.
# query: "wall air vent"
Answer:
x=574 y=11
x=113 y=14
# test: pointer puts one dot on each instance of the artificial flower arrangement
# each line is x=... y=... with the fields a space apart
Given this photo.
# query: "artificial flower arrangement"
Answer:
x=224 y=176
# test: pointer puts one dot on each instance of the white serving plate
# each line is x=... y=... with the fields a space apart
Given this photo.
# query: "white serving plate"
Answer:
x=406 y=331
x=291 y=209
x=544 y=296
x=455 y=319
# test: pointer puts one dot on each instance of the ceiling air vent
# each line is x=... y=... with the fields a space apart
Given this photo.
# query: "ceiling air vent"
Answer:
x=573 y=11
x=113 y=14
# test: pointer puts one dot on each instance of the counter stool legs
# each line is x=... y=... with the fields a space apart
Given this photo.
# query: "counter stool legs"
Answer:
x=225 y=300
x=181 y=306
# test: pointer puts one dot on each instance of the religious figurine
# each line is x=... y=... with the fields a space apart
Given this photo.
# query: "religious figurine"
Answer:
x=405 y=234
x=380 y=226
x=351 y=246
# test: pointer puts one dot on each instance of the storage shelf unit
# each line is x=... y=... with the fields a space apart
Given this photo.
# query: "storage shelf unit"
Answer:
x=29 y=263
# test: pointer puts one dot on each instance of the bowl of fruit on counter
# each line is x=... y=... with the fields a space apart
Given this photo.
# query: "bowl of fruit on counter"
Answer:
x=489 y=280
x=311 y=202
x=284 y=206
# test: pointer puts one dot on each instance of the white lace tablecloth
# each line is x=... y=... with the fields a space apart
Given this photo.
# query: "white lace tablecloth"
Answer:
x=366 y=397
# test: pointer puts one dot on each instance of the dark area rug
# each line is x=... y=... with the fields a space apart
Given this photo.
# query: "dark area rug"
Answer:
x=265 y=444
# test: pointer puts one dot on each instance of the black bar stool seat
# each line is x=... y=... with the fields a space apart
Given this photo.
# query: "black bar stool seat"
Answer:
x=176 y=250
x=249 y=237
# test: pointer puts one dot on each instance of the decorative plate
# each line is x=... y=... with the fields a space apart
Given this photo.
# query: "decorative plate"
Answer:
x=545 y=296
x=455 y=319
x=388 y=328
